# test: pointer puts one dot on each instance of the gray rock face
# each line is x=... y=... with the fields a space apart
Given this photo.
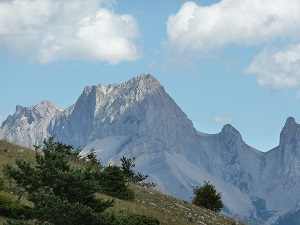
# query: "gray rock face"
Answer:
x=28 y=125
x=289 y=153
x=139 y=106
x=139 y=119
x=281 y=172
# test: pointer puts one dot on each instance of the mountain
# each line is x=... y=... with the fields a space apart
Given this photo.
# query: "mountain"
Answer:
x=28 y=126
x=134 y=107
x=139 y=119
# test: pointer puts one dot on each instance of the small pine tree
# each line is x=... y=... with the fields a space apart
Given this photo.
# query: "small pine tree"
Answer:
x=114 y=184
x=127 y=165
x=207 y=197
x=92 y=161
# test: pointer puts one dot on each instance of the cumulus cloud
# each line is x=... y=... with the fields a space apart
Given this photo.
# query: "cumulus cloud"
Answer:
x=49 y=30
x=222 y=119
x=243 y=22
x=277 y=69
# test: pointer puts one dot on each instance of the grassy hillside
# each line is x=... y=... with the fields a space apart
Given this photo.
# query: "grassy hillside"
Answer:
x=169 y=210
x=10 y=152
x=166 y=209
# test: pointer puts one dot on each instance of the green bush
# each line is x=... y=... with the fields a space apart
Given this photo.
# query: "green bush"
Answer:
x=10 y=208
x=208 y=197
x=113 y=183
x=5 y=199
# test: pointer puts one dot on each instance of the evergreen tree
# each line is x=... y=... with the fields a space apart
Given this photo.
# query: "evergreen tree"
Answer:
x=92 y=161
x=61 y=194
x=127 y=168
x=207 y=197
x=114 y=184
x=127 y=165
x=66 y=195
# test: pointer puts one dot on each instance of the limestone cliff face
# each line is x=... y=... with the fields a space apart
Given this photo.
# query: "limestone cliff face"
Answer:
x=285 y=159
x=28 y=125
x=139 y=106
x=281 y=170
x=289 y=152
x=238 y=159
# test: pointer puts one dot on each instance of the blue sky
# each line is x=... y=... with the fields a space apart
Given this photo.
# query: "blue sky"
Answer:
x=230 y=61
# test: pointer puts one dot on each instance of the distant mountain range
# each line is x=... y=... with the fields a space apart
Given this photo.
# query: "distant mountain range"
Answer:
x=139 y=119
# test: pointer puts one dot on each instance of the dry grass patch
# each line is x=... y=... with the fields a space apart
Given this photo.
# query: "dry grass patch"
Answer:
x=168 y=210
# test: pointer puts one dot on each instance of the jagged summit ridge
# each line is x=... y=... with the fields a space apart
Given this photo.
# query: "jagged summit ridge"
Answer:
x=138 y=106
x=28 y=125
x=143 y=84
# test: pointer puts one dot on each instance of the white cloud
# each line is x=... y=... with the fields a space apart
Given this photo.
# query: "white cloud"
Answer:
x=277 y=69
x=243 y=22
x=222 y=119
x=49 y=30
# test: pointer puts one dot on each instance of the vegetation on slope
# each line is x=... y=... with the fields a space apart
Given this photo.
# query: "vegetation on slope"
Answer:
x=169 y=210
x=166 y=209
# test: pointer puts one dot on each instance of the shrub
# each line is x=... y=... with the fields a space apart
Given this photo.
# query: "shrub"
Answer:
x=114 y=184
x=10 y=208
x=207 y=197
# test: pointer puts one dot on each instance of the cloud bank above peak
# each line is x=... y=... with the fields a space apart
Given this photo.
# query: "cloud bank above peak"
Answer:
x=245 y=23
x=48 y=30
x=278 y=69
x=242 y=22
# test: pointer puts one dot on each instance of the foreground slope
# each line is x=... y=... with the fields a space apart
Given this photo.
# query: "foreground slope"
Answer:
x=139 y=119
x=167 y=209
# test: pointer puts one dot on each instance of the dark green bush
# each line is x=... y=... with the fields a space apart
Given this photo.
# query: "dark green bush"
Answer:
x=113 y=183
x=11 y=209
x=208 y=197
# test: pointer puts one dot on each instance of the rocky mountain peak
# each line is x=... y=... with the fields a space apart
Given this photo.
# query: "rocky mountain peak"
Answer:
x=46 y=106
x=286 y=157
x=290 y=121
x=28 y=125
x=19 y=108
x=147 y=79
x=144 y=84
x=290 y=133
x=230 y=135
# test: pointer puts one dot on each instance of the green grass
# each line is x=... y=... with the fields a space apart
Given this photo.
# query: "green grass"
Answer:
x=168 y=210
x=10 y=152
